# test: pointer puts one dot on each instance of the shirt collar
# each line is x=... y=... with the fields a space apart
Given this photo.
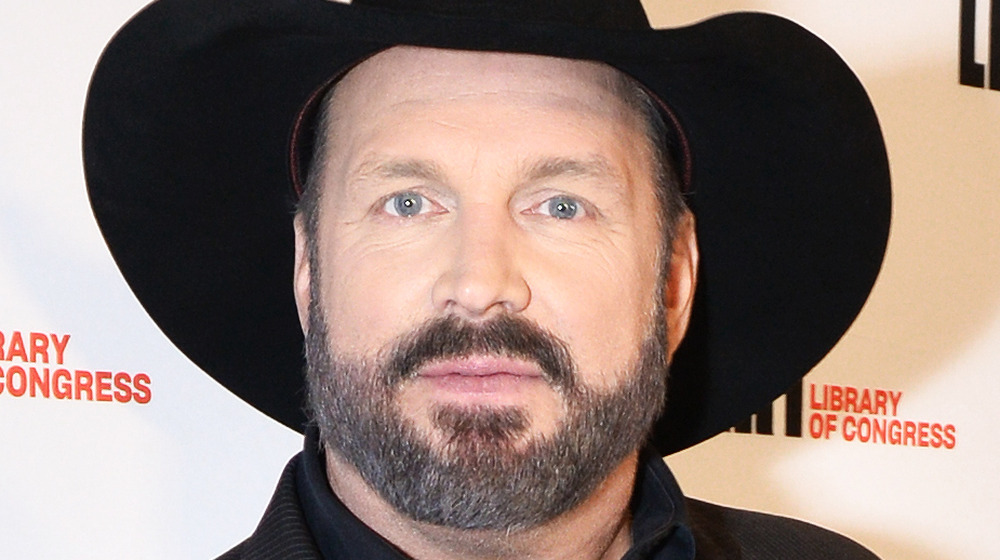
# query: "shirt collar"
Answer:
x=337 y=532
x=660 y=528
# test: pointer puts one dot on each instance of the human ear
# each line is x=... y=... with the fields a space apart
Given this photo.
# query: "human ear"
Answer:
x=301 y=274
x=680 y=285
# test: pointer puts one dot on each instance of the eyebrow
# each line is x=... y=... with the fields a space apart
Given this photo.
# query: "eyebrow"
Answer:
x=401 y=169
x=593 y=166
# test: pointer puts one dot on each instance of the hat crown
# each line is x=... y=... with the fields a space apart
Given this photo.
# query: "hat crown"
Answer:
x=606 y=14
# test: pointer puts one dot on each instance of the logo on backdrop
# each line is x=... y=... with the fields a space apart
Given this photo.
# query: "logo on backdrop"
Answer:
x=971 y=72
x=33 y=365
x=865 y=415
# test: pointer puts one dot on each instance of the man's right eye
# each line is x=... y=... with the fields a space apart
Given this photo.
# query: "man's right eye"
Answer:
x=562 y=208
x=406 y=205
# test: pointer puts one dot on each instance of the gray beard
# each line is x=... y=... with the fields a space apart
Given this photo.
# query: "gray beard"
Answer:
x=486 y=476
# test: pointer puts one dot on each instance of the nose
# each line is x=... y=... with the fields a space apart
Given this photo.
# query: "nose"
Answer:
x=482 y=275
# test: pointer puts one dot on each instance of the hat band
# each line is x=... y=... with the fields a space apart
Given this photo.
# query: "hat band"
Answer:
x=598 y=14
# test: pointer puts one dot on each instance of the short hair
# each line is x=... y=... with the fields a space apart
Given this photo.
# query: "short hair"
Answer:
x=662 y=143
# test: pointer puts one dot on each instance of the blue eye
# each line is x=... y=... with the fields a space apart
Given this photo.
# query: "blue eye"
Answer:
x=562 y=207
x=406 y=204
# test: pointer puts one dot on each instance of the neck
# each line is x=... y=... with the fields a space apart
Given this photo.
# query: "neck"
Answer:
x=597 y=529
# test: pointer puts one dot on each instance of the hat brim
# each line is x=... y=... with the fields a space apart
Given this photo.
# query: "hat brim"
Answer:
x=186 y=149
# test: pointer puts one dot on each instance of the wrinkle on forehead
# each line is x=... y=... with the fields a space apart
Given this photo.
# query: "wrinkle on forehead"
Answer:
x=428 y=75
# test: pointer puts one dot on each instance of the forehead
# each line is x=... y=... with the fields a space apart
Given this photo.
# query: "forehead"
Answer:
x=403 y=76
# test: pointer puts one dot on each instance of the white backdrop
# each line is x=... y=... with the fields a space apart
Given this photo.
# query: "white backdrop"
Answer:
x=187 y=474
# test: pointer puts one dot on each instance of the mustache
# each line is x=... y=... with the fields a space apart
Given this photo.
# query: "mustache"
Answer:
x=504 y=335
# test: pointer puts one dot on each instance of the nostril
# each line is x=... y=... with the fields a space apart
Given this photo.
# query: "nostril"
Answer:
x=478 y=291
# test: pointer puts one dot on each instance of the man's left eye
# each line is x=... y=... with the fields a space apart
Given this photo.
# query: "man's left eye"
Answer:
x=561 y=207
x=406 y=204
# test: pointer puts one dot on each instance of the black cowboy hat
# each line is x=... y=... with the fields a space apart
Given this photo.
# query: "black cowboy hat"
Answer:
x=189 y=157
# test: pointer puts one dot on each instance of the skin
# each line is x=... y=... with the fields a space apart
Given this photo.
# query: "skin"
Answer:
x=487 y=140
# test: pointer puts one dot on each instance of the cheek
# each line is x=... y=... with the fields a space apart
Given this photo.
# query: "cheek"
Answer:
x=601 y=306
x=371 y=291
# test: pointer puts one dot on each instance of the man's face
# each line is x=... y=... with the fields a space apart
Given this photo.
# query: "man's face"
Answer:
x=485 y=273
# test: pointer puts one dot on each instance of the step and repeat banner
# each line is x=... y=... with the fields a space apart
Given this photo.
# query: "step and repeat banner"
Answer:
x=114 y=445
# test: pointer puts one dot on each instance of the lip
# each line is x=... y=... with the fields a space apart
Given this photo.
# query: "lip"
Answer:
x=481 y=367
x=482 y=375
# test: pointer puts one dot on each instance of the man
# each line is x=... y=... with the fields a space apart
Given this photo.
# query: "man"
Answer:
x=494 y=264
